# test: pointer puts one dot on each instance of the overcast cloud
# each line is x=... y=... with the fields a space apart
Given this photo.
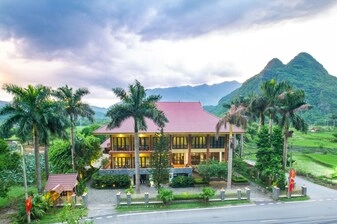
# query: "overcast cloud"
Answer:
x=104 y=44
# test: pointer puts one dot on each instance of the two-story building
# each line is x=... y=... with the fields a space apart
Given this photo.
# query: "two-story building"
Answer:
x=192 y=139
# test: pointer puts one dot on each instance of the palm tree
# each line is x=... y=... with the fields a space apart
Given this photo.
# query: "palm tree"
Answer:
x=32 y=111
x=271 y=92
x=56 y=127
x=135 y=104
x=257 y=107
x=291 y=102
x=74 y=108
x=235 y=116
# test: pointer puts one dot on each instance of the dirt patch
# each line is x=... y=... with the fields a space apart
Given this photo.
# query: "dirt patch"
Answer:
x=6 y=215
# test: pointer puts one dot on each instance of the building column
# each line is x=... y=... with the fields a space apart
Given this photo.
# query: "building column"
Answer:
x=131 y=144
x=189 y=145
x=110 y=153
x=207 y=146
x=111 y=160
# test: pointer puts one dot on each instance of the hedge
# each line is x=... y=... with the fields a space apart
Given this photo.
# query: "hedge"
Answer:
x=110 y=181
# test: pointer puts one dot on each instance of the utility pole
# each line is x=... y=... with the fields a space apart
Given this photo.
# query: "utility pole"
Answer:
x=24 y=177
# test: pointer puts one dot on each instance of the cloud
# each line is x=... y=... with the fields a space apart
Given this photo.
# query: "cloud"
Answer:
x=103 y=44
x=49 y=27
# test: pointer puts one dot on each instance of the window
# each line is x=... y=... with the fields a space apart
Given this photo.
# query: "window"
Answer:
x=196 y=158
x=199 y=142
x=179 y=143
x=215 y=156
x=144 y=162
x=122 y=162
x=178 y=158
x=121 y=143
x=144 y=143
x=217 y=143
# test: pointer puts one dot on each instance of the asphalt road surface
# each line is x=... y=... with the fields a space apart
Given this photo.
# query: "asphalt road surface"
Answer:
x=321 y=208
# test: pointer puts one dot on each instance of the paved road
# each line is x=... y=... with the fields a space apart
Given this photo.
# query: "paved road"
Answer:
x=101 y=203
x=315 y=191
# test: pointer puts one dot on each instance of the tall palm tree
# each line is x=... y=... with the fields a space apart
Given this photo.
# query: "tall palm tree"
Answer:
x=234 y=116
x=56 y=127
x=258 y=107
x=74 y=108
x=271 y=91
x=291 y=102
x=135 y=104
x=32 y=111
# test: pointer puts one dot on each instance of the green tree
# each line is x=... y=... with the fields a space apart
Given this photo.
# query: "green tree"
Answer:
x=258 y=107
x=212 y=168
x=235 y=116
x=160 y=160
x=74 y=108
x=135 y=104
x=271 y=90
x=87 y=149
x=9 y=167
x=268 y=156
x=33 y=111
x=291 y=103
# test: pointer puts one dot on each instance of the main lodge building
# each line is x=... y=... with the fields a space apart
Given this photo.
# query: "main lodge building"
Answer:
x=192 y=135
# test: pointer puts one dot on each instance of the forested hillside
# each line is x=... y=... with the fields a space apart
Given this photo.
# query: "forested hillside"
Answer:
x=303 y=72
x=206 y=94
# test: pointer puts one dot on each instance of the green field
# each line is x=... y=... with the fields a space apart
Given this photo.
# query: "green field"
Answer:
x=318 y=140
x=325 y=159
x=305 y=165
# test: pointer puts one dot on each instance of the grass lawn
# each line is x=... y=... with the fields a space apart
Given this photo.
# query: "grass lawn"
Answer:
x=171 y=206
x=58 y=215
x=15 y=193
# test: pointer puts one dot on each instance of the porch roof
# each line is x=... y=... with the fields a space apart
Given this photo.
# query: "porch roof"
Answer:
x=184 y=117
x=57 y=181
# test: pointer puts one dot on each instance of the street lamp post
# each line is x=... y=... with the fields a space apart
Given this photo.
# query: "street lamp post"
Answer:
x=24 y=178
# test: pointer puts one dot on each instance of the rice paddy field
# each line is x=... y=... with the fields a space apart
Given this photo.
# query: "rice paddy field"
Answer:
x=314 y=154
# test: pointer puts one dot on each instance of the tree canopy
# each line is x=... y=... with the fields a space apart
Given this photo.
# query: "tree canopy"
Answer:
x=138 y=106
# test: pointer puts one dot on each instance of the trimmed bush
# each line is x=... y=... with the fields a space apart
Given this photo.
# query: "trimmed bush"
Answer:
x=238 y=179
x=182 y=181
x=200 y=181
x=107 y=181
x=185 y=196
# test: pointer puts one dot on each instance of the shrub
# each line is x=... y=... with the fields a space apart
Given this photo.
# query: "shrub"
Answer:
x=182 y=181
x=207 y=193
x=185 y=196
x=110 y=181
x=129 y=190
x=238 y=179
x=165 y=195
x=41 y=204
x=81 y=188
x=200 y=181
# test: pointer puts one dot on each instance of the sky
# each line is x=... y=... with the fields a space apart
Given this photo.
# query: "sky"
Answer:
x=104 y=44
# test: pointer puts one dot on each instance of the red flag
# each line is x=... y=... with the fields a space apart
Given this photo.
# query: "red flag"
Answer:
x=29 y=203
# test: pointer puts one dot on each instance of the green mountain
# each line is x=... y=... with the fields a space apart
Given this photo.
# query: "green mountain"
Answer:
x=303 y=72
x=99 y=114
x=206 y=94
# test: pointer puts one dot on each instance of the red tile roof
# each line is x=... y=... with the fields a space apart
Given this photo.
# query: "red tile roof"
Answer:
x=66 y=182
x=106 y=143
x=184 y=117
